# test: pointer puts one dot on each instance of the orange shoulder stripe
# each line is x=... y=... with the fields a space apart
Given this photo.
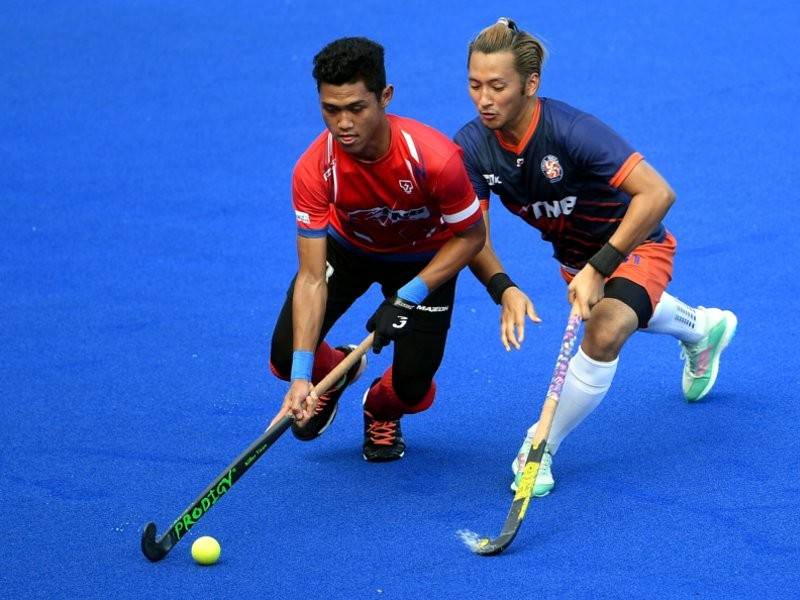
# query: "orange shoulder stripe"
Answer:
x=625 y=170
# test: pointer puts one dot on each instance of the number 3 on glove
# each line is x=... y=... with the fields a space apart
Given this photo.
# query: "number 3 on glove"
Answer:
x=391 y=321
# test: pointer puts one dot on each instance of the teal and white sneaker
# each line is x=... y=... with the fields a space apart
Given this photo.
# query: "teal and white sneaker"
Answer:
x=544 y=477
x=701 y=360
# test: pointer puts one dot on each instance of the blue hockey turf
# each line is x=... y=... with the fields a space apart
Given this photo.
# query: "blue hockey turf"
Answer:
x=147 y=240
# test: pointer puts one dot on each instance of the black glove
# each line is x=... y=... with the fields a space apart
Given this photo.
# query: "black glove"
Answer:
x=391 y=321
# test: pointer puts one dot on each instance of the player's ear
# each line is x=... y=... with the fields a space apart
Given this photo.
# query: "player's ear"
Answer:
x=386 y=96
x=532 y=85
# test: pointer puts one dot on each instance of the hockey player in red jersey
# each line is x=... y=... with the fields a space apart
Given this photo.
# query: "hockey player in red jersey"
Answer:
x=382 y=199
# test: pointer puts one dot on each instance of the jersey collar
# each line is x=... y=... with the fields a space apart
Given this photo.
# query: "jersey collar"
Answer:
x=518 y=148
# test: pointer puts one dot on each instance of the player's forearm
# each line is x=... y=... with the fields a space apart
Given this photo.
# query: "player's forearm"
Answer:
x=456 y=254
x=486 y=263
x=308 y=310
x=645 y=212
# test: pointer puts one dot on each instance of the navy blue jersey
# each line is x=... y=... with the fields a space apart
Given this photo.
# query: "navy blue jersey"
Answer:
x=563 y=178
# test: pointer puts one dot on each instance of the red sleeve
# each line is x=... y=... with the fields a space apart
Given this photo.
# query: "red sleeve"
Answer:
x=310 y=197
x=457 y=200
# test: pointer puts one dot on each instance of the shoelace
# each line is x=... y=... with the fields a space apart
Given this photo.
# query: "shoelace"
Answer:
x=547 y=462
x=382 y=433
x=324 y=398
x=321 y=402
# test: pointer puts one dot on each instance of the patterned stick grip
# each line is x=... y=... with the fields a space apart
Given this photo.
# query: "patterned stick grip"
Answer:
x=562 y=362
x=557 y=380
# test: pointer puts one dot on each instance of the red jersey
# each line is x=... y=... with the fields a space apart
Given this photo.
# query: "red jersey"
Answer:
x=408 y=202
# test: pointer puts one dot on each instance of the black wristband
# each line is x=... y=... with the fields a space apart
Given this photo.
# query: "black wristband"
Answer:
x=498 y=284
x=606 y=260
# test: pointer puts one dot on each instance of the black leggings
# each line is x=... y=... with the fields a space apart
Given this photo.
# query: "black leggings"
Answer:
x=417 y=356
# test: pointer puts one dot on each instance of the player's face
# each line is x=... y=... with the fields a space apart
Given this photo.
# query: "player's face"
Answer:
x=356 y=118
x=497 y=90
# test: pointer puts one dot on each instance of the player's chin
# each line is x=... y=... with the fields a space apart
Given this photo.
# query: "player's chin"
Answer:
x=352 y=145
x=492 y=121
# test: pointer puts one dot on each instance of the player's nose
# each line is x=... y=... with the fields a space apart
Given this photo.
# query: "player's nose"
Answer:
x=345 y=122
x=485 y=99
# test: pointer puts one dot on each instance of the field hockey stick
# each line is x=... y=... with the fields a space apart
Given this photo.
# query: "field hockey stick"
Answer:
x=156 y=550
x=487 y=546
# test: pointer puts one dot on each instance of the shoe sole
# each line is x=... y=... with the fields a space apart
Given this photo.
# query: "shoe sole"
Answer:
x=731 y=323
x=402 y=454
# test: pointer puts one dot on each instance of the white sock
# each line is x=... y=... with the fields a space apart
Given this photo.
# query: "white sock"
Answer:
x=585 y=386
x=677 y=319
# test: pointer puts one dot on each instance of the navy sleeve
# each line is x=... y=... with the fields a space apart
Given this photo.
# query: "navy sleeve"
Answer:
x=598 y=149
x=472 y=163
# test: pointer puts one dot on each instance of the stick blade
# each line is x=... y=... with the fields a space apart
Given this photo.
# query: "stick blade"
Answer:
x=482 y=545
x=150 y=547
x=487 y=547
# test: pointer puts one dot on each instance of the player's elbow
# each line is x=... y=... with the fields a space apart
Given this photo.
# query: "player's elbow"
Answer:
x=476 y=237
x=669 y=194
x=311 y=281
x=664 y=196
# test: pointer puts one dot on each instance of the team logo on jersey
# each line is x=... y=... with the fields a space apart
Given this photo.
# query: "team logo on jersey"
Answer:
x=551 y=168
x=326 y=174
x=549 y=209
x=492 y=179
x=406 y=185
x=520 y=162
x=386 y=216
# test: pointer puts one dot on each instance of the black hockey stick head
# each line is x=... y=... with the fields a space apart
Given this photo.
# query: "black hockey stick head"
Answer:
x=486 y=546
x=153 y=550
x=491 y=547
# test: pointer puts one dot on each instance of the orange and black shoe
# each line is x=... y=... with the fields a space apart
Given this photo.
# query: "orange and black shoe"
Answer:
x=328 y=403
x=383 y=440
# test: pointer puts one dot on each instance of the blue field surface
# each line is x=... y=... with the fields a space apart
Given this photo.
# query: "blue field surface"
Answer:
x=147 y=240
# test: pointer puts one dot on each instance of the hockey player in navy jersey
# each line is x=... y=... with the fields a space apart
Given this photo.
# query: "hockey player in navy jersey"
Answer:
x=601 y=206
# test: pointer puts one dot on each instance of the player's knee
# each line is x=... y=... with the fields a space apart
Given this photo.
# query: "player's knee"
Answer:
x=416 y=395
x=408 y=390
x=383 y=401
x=605 y=334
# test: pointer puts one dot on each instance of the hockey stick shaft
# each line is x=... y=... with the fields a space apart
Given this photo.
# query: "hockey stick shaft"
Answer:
x=156 y=550
x=519 y=506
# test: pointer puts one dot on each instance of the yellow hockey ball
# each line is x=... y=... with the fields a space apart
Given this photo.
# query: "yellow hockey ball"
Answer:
x=205 y=550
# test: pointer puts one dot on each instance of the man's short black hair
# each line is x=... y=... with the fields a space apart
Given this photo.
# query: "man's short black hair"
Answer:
x=351 y=59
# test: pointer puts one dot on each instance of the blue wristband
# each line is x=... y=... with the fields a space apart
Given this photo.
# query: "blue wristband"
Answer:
x=302 y=363
x=414 y=291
